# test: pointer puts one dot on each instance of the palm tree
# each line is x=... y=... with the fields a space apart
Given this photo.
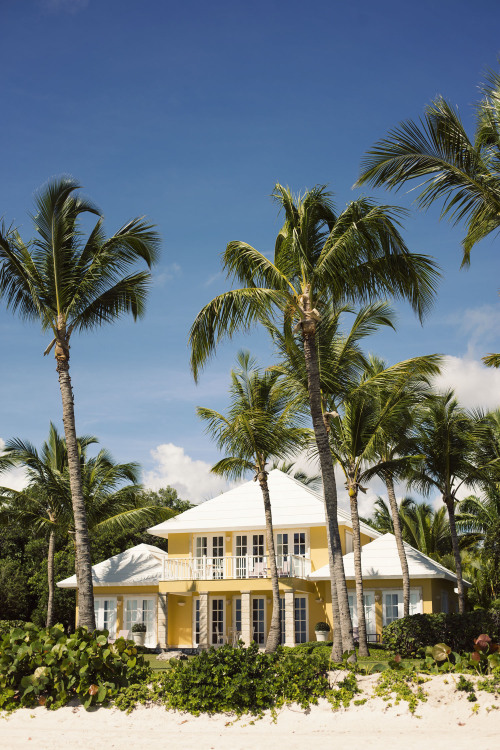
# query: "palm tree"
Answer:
x=261 y=425
x=393 y=449
x=423 y=527
x=68 y=285
x=113 y=499
x=288 y=467
x=319 y=257
x=371 y=409
x=461 y=172
x=455 y=449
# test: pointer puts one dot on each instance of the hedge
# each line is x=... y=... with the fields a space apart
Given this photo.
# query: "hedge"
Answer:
x=409 y=635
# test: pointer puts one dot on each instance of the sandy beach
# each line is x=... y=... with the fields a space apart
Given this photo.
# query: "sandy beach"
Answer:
x=446 y=720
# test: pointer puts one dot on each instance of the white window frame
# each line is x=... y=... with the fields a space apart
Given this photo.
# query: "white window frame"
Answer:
x=290 y=533
x=151 y=640
x=196 y=601
x=102 y=599
x=301 y=596
x=264 y=599
x=349 y=545
x=222 y=637
x=354 y=610
x=417 y=609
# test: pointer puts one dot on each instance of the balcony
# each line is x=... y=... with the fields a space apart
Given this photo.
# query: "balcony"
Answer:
x=230 y=567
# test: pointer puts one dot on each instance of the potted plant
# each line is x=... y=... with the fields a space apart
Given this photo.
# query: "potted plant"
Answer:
x=139 y=633
x=322 y=630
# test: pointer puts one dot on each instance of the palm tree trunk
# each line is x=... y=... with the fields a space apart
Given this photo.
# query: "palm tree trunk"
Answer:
x=274 y=635
x=358 y=571
x=450 y=504
x=337 y=575
x=50 y=578
x=337 y=652
x=396 y=522
x=86 y=615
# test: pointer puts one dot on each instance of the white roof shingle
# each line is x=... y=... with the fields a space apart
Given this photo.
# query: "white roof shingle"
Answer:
x=293 y=506
x=380 y=559
x=139 y=566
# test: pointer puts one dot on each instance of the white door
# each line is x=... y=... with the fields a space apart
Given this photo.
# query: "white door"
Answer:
x=141 y=609
x=105 y=615
x=217 y=624
x=369 y=602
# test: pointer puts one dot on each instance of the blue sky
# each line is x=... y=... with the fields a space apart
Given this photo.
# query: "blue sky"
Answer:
x=189 y=113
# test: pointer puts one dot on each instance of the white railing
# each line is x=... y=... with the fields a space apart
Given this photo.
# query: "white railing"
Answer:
x=246 y=566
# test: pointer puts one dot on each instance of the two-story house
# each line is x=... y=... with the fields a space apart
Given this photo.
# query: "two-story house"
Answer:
x=213 y=586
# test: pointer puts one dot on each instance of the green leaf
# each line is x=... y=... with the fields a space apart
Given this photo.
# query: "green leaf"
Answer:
x=440 y=651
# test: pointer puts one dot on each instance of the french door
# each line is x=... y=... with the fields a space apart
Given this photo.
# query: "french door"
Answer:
x=369 y=603
x=217 y=621
x=259 y=619
x=209 y=556
x=142 y=610
x=105 y=615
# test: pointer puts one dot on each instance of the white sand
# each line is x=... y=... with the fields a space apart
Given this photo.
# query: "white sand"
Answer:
x=447 y=720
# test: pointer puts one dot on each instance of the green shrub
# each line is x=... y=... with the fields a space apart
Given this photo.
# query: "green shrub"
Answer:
x=410 y=635
x=241 y=680
x=47 y=667
x=7 y=625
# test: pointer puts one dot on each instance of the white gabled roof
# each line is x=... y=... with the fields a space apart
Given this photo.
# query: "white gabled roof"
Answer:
x=293 y=506
x=380 y=559
x=139 y=566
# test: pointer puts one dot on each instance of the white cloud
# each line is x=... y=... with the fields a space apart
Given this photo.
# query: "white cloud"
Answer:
x=14 y=479
x=191 y=478
x=474 y=384
x=166 y=273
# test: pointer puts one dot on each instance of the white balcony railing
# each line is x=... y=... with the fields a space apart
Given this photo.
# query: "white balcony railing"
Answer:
x=219 y=568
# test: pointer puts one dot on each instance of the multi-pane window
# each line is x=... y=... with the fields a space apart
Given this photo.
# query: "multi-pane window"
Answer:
x=143 y=611
x=218 y=557
x=258 y=546
x=282 y=554
x=241 y=555
x=299 y=543
x=197 y=621
x=237 y=615
x=258 y=620
x=300 y=606
x=282 y=619
x=217 y=621
x=201 y=546
x=391 y=608
x=105 y=615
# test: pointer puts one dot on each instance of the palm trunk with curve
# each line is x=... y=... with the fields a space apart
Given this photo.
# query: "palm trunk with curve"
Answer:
x=396 y=522
x=274 y=635
x=83 y=562
x=449 y=501
x=50 y=579
x=358 y=570
x=330 y=490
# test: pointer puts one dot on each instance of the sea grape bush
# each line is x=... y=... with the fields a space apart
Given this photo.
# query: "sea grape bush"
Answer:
x=242 y=680
x=44 y=666
x=410 y=636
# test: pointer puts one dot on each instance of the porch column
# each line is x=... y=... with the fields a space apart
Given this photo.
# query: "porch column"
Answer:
x=162 y=619
x=203 y=620
x=289 y=618
x=119 y=613
x=246 y=619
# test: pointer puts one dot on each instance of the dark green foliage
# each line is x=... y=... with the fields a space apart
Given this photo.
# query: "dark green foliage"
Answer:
x=242 y=680
x=410 y=635
x=46 y=667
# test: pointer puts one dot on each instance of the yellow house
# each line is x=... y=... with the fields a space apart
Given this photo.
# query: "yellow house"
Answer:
x=213 y=585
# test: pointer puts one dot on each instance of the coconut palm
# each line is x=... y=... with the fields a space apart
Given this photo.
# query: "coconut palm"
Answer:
x=261 y=425
x=319 y=257
x=70 y=284
x=112 y=495
x=462 y=173
x=455 y=450
x=288 y=467
x=371 y=410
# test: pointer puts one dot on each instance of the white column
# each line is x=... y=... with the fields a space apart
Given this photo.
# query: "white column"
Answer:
x=203 y=620
x=162 y=619
x=246 y=619
x=289 y=619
